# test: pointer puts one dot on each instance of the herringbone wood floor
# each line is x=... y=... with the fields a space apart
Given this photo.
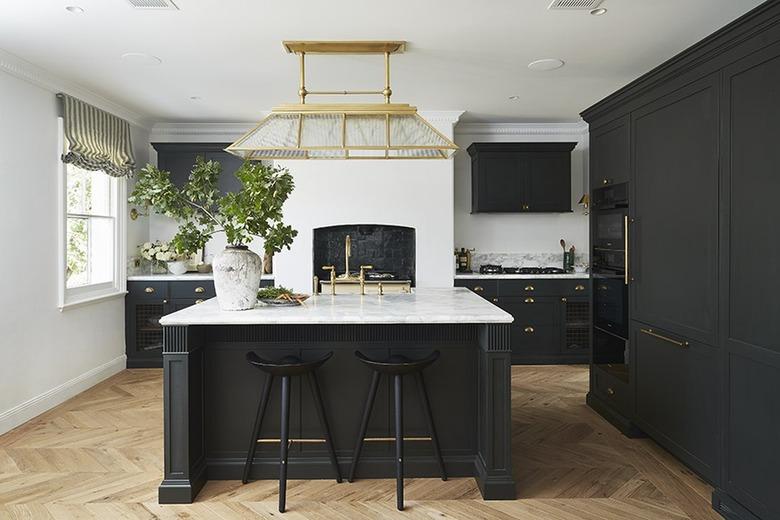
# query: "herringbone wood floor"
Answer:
x=99 y=455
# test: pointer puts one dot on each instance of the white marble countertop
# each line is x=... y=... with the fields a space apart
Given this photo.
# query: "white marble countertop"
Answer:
x=168 y=277
x=567 y=276
x=426 y=305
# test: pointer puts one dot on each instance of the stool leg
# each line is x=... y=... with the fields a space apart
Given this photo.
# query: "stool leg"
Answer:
x=261 y=407
x=315 y=390
x=431 y=428
x=364 y=424
x=399 y=442
x=284 y=436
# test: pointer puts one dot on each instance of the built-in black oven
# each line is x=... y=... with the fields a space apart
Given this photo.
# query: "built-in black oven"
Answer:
x=610 y=304
x=610 y=219
x=610 y=196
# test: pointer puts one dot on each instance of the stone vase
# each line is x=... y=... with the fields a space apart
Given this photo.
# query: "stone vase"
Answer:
x=237 y=273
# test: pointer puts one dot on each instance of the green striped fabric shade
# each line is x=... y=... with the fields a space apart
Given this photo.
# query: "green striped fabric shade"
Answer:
x=96 y=140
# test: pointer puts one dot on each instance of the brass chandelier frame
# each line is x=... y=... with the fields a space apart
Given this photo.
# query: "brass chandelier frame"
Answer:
x=344 y=110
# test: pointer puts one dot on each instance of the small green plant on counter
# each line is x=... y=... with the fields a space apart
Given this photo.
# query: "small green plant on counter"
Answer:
x=255 y=211
x=272 y=293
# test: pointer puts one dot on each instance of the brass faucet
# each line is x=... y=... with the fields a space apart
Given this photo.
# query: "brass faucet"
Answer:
x=332 y=269
x=363 y=269
x=347 y=254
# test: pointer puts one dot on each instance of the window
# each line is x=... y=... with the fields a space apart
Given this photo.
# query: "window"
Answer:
x=91 y=253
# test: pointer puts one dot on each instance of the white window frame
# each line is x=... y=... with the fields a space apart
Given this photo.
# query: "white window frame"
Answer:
x=70 y=297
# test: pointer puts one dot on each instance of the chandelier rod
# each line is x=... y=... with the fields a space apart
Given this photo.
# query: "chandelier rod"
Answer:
x=303 y=92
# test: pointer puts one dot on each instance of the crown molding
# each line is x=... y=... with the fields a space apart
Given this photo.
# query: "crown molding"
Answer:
x=578 y=128
x=26 y=71
x=217 y=132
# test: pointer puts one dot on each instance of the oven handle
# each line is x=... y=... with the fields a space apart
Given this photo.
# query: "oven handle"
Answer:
x=626 y=277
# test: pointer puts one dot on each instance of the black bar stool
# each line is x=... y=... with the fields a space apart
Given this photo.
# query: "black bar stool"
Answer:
x=398 y=366
x=286 y=368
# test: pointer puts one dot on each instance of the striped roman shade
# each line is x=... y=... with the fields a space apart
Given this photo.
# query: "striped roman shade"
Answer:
x=96 y=140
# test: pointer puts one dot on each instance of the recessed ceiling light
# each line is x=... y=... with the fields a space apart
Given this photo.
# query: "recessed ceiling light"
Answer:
x=195 y=98
x=546 y=64
x=598 y=12
x=514 y=98
x=141 y=58
x=74 y=9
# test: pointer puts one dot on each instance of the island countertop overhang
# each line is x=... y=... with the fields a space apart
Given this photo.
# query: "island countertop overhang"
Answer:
x=423 y=306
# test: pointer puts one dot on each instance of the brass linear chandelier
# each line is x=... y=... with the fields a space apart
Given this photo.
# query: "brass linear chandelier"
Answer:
x=348 y=130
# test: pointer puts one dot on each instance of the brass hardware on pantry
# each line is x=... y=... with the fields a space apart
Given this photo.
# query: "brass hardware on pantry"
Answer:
x=478 y=288
x=529 y=300
x=528 y=330
x=199 y=301
x=625 y=248
x=651 y=332
x=579 y=288
x=332 y=269
x=529 y=288
x=610 y=391
x=149 y=290
x=200 y=290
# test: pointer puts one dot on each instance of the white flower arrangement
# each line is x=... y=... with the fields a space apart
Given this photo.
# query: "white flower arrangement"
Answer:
x=160 y=251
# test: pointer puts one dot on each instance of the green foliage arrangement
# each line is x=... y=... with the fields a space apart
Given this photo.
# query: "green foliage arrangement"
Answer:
x=255 y=211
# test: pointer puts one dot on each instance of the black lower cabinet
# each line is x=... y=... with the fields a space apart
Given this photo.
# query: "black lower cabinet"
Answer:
x=551 y=317
x=148 y=301
x=677 y=395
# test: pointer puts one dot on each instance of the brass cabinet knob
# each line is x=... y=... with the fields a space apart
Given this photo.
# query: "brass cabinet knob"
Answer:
x=564 y=300
x=198 y=301
x=149 y=290
x=529 y=300
x=478 y=288
x=579 y=288
x=605 y=182
x=200 y=290
x=525 y=206
x=165 y=301
x=495 y=300
x=528 y=330
x=610 y=391
x=529 y=288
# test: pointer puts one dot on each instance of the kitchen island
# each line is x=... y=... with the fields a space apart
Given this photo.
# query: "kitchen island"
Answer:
x=211 y=392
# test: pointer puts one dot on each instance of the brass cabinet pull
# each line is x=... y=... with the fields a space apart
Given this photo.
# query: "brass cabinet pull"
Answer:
x=625 y=249
x=198 y=301
x=525 y=206
x=529 y=300
x=651 y=332
x=478 y=288
x=149 y=290
x=610 y=391
x=495 y=300
x=564 y=299
x=529 y=288
x=200 y=290
x=579 y=288
x=528 y=330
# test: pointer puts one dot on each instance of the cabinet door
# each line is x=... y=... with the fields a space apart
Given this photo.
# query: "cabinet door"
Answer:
x=228 y=182
x=610 y=153
x=178 y=162
x=677 y=395
x=535 y=334
x=548 y=181
x=500 y=185
x=750 y=306
x=674 y=236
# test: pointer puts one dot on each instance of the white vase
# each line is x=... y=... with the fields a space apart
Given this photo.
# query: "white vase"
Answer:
x=237 y=272
x=177 y=267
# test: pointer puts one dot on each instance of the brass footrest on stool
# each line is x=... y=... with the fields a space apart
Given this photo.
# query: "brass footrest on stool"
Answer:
x=392 y=439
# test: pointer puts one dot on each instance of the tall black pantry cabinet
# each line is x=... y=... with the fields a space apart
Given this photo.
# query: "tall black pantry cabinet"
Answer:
x=701 y=139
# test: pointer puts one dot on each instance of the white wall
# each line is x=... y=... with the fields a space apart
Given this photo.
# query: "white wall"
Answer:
x=514 y=232
x=412 y=193
x=46 y=356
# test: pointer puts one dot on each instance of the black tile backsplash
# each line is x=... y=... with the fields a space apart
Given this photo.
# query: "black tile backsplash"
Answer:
x=387 y=248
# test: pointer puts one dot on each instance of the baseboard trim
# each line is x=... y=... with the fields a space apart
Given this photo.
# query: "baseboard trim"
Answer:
x=44 y=402
x=729 y=508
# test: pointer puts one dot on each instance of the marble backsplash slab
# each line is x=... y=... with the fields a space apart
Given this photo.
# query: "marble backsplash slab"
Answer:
x=479 y=258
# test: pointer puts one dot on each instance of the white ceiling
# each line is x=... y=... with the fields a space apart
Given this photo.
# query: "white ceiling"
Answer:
x=462 y=55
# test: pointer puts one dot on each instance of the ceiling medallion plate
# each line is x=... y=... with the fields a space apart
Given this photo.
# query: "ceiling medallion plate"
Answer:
x=344 y=47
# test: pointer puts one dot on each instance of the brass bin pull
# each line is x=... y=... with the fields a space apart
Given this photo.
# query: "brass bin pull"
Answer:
x=625 y=250
x=529 y=300
x=529 y=288
x=495 y=300
x=149 y=290
x=610 y=391
x=651 y=332
x=579 y=288
x=199 y=290
x=478 y=288
x=528 y=330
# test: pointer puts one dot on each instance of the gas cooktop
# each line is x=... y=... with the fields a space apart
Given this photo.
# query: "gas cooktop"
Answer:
x=497 y=269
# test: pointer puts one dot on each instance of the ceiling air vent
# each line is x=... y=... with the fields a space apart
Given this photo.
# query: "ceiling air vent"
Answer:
x=153 y=4
x=575 y=4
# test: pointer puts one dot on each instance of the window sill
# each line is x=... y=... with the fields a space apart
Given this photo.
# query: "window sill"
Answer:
x=90 y=300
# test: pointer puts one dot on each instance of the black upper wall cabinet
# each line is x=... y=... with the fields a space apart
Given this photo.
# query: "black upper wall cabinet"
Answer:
x=520 y=177
x=179 y=158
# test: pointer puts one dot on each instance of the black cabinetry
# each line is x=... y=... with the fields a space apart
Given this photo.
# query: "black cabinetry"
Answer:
x=520 y=177
x=700 y=133
x=146 y=302
x=179 y=158
x=551 y=317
